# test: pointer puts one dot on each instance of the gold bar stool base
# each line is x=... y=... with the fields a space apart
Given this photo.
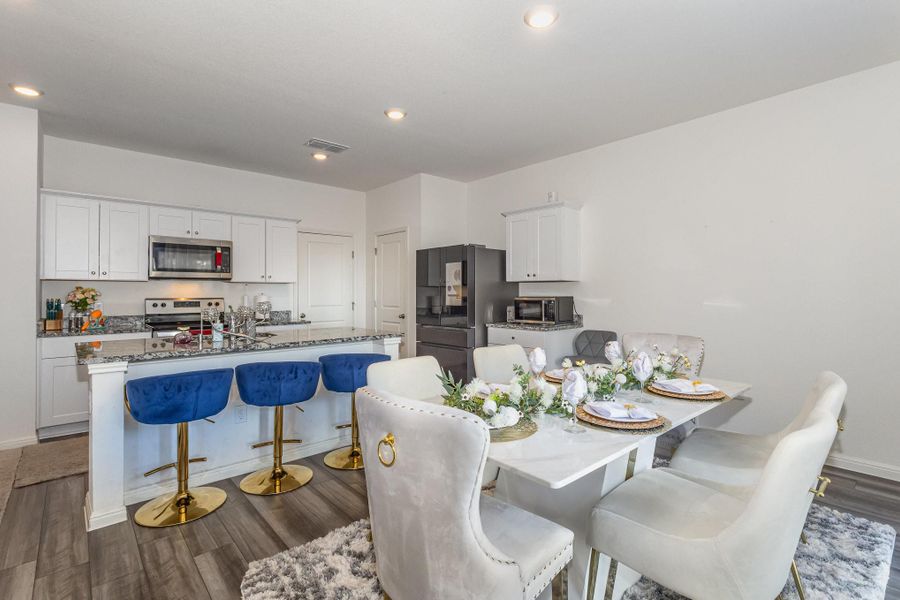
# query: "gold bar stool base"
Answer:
x=264 y=482
x=164 y=511
x=344 y=459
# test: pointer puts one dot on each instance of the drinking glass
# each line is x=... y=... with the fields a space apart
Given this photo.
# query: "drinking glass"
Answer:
x=642 y=368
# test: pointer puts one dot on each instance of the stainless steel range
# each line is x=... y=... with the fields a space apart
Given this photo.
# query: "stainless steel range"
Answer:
x=166 y=315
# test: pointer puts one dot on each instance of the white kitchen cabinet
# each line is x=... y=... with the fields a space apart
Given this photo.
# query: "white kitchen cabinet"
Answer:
x=86 y=238
x=556 y=343
x=123 y=241
x=63 y=393
x=264 y=250
x=181 y=222
x=281 y=251
x=248 y=249
x=543 y=244
x=70 y=237
x=211 y=226
x=170 y=221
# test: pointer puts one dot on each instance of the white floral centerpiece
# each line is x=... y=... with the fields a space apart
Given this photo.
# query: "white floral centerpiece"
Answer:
x=504 y=405
x=604 y=380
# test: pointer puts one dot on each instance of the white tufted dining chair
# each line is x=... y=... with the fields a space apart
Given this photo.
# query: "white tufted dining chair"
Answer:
x=494 y=364
x=416 y=378
x=734 y=460
x=707 y=544
x=436 y=536
x=690 y=345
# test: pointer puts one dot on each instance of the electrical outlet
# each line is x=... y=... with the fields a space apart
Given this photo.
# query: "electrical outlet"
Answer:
x=240 y=414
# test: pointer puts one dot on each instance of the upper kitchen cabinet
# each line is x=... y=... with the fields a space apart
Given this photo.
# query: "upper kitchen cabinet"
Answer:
x=86 y=238
x=180 y=222
x=281 y=251
x=264 y=250
x=543 y=243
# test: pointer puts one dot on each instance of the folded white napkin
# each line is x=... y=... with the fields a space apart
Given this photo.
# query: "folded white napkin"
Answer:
x=685 y=386
x=616 y=410
x=537 y=360
x=574 y=387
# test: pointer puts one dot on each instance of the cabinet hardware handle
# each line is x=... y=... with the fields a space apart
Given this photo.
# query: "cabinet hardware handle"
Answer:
x=188 y=231
x=270 y=277
x=93 y=272
x=104 y=273
x=196 y=233
x=262 y=276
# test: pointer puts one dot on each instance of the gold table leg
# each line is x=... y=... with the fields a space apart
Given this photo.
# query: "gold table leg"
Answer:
x=280 y=478
x=350 y=457
x=186 y=504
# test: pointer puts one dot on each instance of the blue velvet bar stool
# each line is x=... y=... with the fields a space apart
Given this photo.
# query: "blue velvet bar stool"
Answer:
x=347 y=373
x=179 y=399
x=277 y=384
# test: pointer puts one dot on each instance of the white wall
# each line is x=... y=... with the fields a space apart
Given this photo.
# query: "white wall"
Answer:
x=443 y=213
x=19 y=185
x=769 y=229
x=102 y=170
x=393 y=207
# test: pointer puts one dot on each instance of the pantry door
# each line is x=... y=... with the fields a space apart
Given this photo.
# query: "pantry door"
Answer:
x=391 y=254
x=325 y=279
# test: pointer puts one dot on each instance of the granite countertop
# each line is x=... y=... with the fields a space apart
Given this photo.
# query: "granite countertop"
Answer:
x=576 y=324
x=115 y=324
x=286 y=323
x=144 y=350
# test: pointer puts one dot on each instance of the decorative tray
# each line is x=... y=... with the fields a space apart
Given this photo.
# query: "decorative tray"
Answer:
x=632 y=427
x=713 y=396
x=521 y=430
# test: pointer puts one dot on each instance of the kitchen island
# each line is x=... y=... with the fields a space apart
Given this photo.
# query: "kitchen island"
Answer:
x=122 y=450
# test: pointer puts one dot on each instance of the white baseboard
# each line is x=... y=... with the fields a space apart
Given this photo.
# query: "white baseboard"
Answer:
x=94 y=521
x=18 y=442
x=54 y=431
x=291 y=452
x=868 y=467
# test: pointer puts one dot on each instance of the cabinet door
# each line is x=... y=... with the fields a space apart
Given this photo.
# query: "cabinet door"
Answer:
x=281 y=251
x=174 y=222
x=518 y=248
x=70 y=238
x=123 y=241
x=63 y=392
x=546 y=246
x=211 y=226
x=249 y=249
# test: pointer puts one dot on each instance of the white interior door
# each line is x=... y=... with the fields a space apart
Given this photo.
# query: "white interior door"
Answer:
x=391 y=285
x=325 y=279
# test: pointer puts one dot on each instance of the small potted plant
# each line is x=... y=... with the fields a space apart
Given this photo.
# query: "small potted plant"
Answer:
x=81 y=299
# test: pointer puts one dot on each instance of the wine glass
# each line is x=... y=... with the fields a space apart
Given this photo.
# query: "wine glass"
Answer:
x=642 y=368
x=574 y=389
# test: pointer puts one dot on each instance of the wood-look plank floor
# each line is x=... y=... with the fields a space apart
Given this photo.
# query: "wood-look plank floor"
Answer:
x=45 y=552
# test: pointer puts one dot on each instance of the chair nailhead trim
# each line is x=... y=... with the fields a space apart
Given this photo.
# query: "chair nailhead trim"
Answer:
x=566 y=550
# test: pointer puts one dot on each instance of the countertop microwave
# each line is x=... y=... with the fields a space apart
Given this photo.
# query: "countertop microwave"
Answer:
x=187 y=258
x=548 y=310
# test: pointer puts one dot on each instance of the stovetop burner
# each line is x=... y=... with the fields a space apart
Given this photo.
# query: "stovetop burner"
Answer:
x=166 y=315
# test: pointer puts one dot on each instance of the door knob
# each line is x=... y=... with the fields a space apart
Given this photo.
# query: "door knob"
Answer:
x=402 y=315
x=302 y=315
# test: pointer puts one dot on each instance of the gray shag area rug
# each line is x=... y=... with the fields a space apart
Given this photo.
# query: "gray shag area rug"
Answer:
x=847 y=558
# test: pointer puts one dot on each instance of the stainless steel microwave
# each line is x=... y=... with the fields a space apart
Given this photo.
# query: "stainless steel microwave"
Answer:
x=187 y=258
x=544 y=309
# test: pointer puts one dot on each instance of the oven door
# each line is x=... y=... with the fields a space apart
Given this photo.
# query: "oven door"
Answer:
x=529 y=310
x=183 y=258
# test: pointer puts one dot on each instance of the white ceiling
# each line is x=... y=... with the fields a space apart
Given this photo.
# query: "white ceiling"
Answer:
x=243 y=84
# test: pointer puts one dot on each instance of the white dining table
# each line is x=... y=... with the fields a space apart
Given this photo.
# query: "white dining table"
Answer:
x=561 y=476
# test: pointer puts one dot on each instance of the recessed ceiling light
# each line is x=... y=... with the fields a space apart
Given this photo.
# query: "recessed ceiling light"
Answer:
x=541 y=17
x=26 y=90
x=395 y=114
x=319 y=155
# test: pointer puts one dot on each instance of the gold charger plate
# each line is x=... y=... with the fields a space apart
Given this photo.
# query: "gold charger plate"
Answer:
x=521 y=430
x=711 y=397
x=657 y=424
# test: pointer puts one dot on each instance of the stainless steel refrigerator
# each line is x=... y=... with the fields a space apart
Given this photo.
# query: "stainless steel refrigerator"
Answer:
x=458 y=290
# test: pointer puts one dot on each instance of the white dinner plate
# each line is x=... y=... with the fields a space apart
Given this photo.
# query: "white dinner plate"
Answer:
x=591 y=410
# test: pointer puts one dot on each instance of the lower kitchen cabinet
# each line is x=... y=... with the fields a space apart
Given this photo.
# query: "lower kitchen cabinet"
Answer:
x=63 y=392
x=557 y=344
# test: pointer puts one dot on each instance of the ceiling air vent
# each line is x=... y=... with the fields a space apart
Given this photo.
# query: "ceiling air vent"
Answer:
x=327 y=146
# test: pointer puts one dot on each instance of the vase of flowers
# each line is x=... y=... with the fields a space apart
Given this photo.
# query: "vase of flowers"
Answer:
x=81 y=299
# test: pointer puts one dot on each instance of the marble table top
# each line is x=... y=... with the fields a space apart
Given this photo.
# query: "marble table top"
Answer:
x=556 y=458
x=143 y=350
